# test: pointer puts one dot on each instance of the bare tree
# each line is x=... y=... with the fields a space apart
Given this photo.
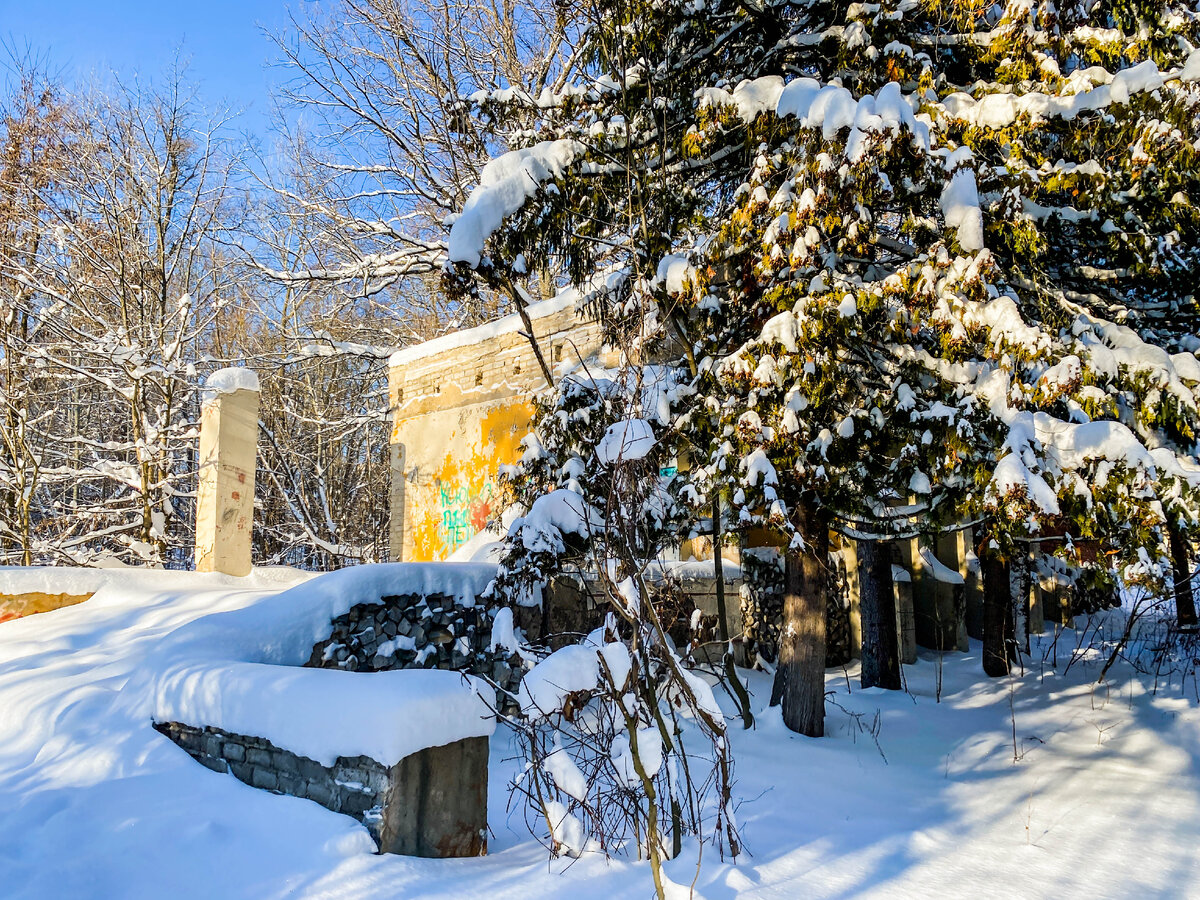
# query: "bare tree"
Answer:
x=35 y=137
x=120 y=305
x=391 y=154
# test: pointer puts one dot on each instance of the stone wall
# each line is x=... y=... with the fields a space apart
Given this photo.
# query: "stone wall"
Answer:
x=461 y=406
x=412 y=631
x=431 y=803
x=761 y=605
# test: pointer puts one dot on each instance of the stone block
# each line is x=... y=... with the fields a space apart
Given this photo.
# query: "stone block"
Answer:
x=256 y=756
x=320 y=791
x=217 y=765
x=355 y=802
x=292 y=785
x=437 y=803
x=241 y=771
x=262 y=777
x=284 y=762
x=210 y=744
x=233 y=751
x=310 y=769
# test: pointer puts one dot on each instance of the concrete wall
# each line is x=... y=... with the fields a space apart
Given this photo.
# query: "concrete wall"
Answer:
x=461 y=406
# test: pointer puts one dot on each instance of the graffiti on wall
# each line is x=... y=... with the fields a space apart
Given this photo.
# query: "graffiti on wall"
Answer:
x=463 y=516
x=463 y=494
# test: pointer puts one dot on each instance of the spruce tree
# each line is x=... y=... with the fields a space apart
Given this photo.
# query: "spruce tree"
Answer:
x=857 y=228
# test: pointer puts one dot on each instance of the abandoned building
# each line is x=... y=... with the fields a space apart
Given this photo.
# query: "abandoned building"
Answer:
x=462 y=404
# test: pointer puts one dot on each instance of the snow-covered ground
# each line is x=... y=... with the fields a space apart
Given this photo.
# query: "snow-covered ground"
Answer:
x=1103 y=802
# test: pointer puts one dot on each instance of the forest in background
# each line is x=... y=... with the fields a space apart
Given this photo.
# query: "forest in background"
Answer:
x=145 y=242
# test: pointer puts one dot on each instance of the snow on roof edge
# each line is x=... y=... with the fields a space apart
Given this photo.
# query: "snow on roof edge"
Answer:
x=470 y=336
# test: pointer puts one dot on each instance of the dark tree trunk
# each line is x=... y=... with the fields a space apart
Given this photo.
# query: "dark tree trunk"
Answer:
x=731 y=675
x=1021 y=576
x=877 y=605
x=719 y=574
x=800 y=677
x=1185 y=600
x=997 y=610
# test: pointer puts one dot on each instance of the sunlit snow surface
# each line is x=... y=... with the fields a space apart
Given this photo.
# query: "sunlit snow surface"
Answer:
x=1104 y=802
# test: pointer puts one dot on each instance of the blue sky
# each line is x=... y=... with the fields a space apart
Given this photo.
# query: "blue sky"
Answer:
x=227 y=50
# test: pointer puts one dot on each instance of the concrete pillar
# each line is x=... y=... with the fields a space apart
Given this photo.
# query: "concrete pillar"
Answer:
x=938 y=598
x=1037 y=612
x=1020 y=586
x=849 y=551
x=225 y=493
x=910 y=560
x=396 y=503
x=973 y=589
x=954 y=550
x=1052 y=594
x=436 y=803
x=905 y=622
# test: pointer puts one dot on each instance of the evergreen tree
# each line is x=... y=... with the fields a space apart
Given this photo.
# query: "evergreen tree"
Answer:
x=853 y=225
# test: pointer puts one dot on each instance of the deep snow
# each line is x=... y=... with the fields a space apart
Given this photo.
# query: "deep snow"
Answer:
x=1104 y=801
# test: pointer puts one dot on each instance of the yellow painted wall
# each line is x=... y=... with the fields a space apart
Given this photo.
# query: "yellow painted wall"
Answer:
x=462 y=493
x=14 y=606
x=461 y=406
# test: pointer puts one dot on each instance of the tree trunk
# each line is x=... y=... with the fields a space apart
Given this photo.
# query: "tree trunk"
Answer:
x=1020 y=575
x=719 y=575
x=1185 y=601
x=800 y=677
x=735 y=681
x=877 y=605
x=997 y=610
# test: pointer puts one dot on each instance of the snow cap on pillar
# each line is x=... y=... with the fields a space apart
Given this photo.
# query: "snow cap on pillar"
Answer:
x=229 y=381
